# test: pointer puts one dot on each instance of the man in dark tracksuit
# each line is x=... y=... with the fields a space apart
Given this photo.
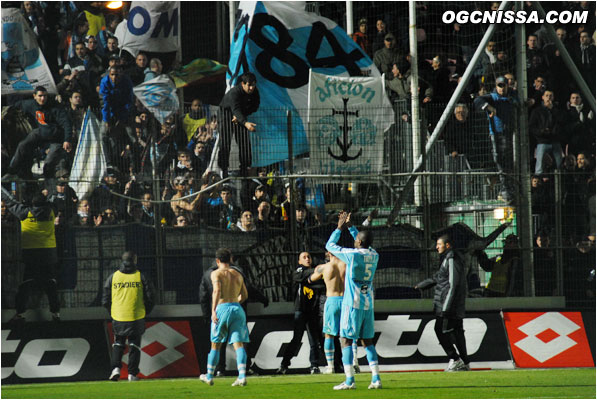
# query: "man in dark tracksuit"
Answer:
x=128 y=297
x=308 y=314
x=205 y=299
x=38 y=244
x=448 y=304
x=52 y=131
x=236 y=106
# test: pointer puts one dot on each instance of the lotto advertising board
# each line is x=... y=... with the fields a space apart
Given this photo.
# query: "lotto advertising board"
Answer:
x=404 y=343
x=548 y=339
x=54 y=352
x=167 y=351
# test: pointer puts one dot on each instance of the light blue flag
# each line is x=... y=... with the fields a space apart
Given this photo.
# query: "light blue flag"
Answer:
x=159 y=96
x=280 y=43
x=23 y=64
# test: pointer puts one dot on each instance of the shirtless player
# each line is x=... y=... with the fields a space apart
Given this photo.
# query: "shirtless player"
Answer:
x=332 y=273
x=228 y=319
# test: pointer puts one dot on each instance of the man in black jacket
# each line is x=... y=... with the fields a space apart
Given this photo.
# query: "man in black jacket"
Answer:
x=205 y=299
x=546 y=124
x=128 y=297
x=308 y=303
x=236 y=106
x=52 y=132
x=449 y=303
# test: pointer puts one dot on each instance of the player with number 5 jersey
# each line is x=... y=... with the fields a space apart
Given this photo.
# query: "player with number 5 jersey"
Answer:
x=357 y=317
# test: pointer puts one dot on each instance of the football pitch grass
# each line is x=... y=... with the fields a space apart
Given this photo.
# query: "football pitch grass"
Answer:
x=549 y=383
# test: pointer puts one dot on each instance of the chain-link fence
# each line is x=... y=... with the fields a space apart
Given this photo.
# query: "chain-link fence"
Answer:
x=149 y=199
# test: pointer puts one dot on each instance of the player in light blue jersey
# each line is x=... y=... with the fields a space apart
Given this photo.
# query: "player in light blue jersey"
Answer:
x=357 y=316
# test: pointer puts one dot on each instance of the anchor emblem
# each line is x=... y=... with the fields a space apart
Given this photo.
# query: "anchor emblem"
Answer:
x=346 y=144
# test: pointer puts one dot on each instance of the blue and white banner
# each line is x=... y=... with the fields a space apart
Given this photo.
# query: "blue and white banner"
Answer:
x=23 y=64
x=151 y=26
x=280 y=42
x=347 y=120
x=89 y=164
x=158 y=96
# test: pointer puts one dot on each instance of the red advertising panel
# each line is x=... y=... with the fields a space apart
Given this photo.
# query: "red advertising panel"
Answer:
x=167 y=350
x=548 y=339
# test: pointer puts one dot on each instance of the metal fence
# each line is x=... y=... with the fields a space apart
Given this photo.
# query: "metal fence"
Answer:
x=460 y=185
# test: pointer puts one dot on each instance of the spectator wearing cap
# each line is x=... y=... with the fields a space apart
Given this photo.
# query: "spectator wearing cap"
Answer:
x=499 y=106
x=64 y=199
x=380 y=34
x=52 y=131
x=362 y=38
x=102 y=196
x=260 y=195
x=113 y=61
x=384 y=58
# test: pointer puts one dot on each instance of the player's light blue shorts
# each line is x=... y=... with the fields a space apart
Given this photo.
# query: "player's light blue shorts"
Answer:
x=356 y=324
x=232 y=324
x=331 y=315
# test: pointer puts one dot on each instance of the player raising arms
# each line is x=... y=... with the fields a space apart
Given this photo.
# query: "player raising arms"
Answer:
x=333 y=273
x=228 y=319
x=357 y=316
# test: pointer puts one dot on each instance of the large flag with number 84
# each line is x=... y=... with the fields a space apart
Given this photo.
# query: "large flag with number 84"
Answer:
x=280 y=42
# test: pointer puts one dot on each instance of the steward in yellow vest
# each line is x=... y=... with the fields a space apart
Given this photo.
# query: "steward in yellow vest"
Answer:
x=128 y=297
x=38 y=245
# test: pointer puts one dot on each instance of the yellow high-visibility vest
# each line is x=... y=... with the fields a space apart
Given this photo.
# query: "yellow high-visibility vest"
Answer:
x=127 y=297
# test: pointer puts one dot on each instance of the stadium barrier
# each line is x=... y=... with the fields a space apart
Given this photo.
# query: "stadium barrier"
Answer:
x=178 y=347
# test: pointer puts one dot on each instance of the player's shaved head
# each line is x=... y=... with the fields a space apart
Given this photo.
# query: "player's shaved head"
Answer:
x=364 y=239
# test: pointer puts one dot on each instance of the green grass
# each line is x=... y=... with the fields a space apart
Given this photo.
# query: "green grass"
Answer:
x=552 y=383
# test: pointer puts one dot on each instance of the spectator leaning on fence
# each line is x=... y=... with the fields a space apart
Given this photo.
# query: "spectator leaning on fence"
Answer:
x=236 y=106
x=38 y=244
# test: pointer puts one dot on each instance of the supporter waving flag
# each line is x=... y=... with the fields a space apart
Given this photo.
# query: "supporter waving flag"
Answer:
x=280 y=42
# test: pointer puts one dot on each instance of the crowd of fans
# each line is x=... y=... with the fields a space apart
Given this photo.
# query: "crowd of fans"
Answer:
x=91 y=70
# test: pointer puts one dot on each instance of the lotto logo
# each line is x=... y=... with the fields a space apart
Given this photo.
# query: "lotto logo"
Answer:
x=167 y=350
x=551 y=339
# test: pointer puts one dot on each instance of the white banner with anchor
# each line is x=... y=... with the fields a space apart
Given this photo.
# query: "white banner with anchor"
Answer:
x=346 y=123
